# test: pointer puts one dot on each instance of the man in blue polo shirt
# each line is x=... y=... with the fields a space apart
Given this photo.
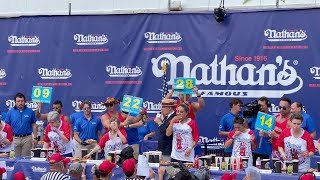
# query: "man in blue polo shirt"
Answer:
x=87 y=131
x=23 y=122
x=307 y=123
x=226 y=123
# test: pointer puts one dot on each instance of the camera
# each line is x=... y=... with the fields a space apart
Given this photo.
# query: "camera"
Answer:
x=252 y=109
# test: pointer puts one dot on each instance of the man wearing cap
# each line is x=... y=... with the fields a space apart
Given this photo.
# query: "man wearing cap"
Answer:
x=23 y=123
x=129 y=169
x=105 y=170
x=57 y=166
x=165 y=142
x=77 y=171
x=19 y=176
x=112 y=112
x=194 y=107
x=87 y=130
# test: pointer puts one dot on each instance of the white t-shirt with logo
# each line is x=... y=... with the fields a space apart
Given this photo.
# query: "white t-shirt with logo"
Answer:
x=294 y=147
x=112 y=144
x=56 y=142
x=183 y=136
x=242 y=145
x=6 y=132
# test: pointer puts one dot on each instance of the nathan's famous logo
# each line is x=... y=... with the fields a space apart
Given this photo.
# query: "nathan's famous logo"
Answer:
x=152 y=107
x=163 y=37
x=285 y=35
x=2 y=73
x=316 y=72
x=96 y=106
x=38 y=169
x=54 y=73
x=32 y=105
x=23 y=40
x=124 y=71
x=220 y=73
x=90 y=39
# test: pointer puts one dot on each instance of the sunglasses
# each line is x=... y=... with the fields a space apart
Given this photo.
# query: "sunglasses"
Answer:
x=87 y=108
x=109 y=104
x=281 y=107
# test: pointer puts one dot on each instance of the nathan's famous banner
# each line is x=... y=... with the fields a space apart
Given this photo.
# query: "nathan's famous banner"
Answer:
x=249 y=55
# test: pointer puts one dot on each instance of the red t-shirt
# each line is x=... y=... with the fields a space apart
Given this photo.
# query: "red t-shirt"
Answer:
x=121 y=119
x=55 y=141
x=279 y=127
x=6 y=132
x=192 y=114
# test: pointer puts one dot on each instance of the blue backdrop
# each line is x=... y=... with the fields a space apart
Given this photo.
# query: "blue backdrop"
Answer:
x=250 y=54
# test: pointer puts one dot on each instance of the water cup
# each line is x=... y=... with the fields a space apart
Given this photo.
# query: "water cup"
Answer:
x=245 y=161
x=265 y=164
x=295 y=165
x=277 y=168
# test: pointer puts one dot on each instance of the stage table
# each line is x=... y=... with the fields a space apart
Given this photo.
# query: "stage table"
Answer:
x=145 y=146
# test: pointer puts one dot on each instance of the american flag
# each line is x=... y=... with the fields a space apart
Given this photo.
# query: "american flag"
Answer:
x=164 y=86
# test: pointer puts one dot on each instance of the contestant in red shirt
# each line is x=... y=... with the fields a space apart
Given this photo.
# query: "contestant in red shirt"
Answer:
x=6 y=137
x=57 y=135
x=115 y=139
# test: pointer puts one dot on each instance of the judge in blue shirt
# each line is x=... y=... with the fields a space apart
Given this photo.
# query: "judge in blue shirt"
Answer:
x=87 y=131
x=23 y=122
x=308 y=122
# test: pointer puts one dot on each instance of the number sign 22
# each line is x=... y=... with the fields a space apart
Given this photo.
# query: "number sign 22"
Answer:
x=131 y=104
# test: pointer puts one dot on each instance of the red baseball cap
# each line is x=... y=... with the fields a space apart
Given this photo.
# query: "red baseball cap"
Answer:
x=308 y=176
x=129 y=166
x=106 y=167
x=19 y=176
x=2 y=170
x=228 y=176
x=57 y=157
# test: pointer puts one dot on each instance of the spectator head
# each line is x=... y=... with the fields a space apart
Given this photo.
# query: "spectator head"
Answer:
x=129 y=167
x=19 y=176
x=228 y=176
x=307 y=176
x=105 y=169
x=126 y=153
x=95 y=172
x=202 y=174
x=57 y=106
x=58 y=163
x=54 y=119
x=75 y=170
x=20 y=101
x=183 y=174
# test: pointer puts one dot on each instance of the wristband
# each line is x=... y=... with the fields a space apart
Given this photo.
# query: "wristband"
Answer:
x=199 y=95
x=35 y=138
